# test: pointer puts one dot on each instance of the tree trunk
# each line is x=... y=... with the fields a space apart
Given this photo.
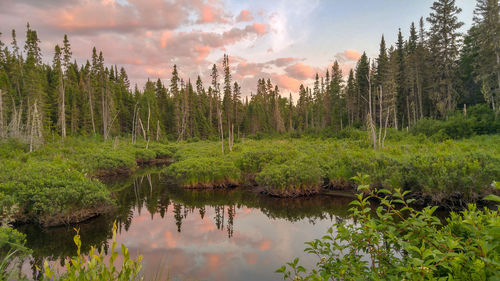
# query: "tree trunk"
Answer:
x=149 y=116
x=380 y=115
x=371 y=124
x=91 y=108
x=62 y=116
x=104 y=114
x=157 y=130
x=221 y=131
x=408 y=110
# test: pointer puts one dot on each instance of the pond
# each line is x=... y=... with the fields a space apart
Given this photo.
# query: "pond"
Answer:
x=220 y=234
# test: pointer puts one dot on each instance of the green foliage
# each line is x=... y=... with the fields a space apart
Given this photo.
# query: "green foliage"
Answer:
x=53 y=185
x=12 y=251
x=294 y=178
x=480 y=120
x=205 y=172
x=94 y=267
x=463 y=169
x=254 y=159
x=50 y=192
x=396 y=242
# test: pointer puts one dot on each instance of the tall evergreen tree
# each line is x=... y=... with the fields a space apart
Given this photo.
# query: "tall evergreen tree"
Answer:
x=487 y=63
x=444 y=41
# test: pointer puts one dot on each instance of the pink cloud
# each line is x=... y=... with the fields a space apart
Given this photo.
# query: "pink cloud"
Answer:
x=89 y=17
x=301 y=71
x=165 y=36
x=348 y=55
x=212 y=14
x=287 y=82
x=245 y=15
x=245 y=68
x=260 y=28
x=203 y=52
x=352 y=54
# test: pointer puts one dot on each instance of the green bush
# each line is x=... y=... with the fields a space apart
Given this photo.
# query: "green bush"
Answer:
x=50 y=192
x=252 y=161
x=397 y=242
x=204 y=172
x=484 y=120
x=480 y=120
x=144 y=154
x=293 y=178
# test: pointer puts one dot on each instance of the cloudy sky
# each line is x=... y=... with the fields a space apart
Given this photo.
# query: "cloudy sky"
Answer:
x=285 y=40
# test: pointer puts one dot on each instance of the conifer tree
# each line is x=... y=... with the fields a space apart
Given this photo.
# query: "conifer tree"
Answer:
x=444 y=40
x=486 y=32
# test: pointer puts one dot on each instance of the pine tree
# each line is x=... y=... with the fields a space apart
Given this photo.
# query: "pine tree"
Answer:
x=486 y=31
x=362 y=87
x=335 y=91
x=402 y=89
x=57 y=66
x=227 y=103
x=444 y=40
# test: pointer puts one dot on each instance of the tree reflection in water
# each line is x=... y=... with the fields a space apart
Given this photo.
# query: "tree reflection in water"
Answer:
x=148 y=193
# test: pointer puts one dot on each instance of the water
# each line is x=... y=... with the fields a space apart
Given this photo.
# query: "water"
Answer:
x=197 y=234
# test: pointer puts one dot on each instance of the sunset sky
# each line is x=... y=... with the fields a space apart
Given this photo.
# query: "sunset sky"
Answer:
x=287 y=41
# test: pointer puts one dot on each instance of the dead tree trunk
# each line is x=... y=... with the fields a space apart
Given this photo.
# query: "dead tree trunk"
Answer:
x=36 y=128
x=221 y=131
x=91 y=105
x=62 y=112
x=149 y=116
x=371 y=124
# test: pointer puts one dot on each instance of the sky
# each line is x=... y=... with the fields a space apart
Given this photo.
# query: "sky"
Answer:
x=287 y=41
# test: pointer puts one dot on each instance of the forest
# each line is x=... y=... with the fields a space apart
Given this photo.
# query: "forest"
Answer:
x=407 y=132
x=429 y=75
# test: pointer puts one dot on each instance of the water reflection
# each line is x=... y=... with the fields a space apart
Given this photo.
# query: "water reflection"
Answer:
x=197 y=234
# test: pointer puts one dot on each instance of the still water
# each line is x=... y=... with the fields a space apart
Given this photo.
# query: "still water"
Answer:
x=196 y=234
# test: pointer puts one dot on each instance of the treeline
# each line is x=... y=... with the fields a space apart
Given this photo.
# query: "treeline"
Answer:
x=430 y=74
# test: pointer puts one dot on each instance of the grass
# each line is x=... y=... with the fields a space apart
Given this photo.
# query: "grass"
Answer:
x=56 y=185
x=434 y=170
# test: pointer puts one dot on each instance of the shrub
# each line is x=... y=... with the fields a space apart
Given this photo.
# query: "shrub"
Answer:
x=144 y=154
x=254 y=160
x=480 y=119
x=293 y=178
x=205 y=172
x=483 y=119
x=50 y=192
x=397 y=242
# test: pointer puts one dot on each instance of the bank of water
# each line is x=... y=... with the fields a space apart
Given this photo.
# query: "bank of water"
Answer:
x=196 y=234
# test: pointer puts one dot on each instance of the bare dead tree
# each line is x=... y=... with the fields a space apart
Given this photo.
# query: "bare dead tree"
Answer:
x=36 y=128
x=369 y=118
x=219 y=116
x=62 y=109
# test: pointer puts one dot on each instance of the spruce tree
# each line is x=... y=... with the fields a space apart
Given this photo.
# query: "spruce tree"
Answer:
x=486 y=33
x=444 y=41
